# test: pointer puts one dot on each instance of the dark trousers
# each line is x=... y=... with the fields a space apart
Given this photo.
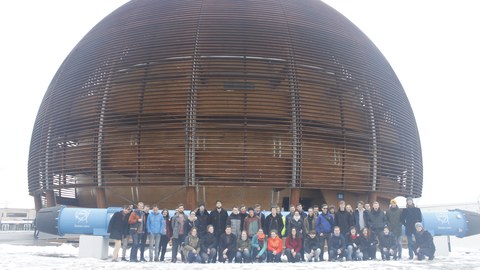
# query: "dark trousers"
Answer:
x=163 y=247
x=290 y=256
x=135 y=244
x=260 y=258
x=428 y=252
x=210 y=257
x=243 y=256
x=323 y=240
x=273 y=258
x=230 y=256
x=142 y=244
x=177 y=242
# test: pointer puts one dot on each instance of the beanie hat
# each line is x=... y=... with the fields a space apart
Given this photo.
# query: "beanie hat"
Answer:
x=418 y=224
x=409 y=199
x=393 y=201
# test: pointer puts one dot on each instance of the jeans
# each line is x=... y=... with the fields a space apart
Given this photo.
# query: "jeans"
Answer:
x=163 y=247
x=260 y=258
x=243 y=256
x=353 y=254
x=124 y=245
x=135 y=244
x=290 y=256
x=143 y=242
x=176 y=242
x=411 y=250
x=426 y=252
x=154 y=237
x=313 y=255
x=209 y=257
x=193 y=257
x=387 y=253
x=273 y=258
x=333 y=254
x=399 y=247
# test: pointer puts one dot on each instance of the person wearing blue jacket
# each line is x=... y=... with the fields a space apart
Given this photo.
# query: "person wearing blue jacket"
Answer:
x=324 y=227
x=336 y=245
x=155 y=223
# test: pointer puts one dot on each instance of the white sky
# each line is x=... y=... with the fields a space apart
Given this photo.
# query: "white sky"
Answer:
x=432 y=45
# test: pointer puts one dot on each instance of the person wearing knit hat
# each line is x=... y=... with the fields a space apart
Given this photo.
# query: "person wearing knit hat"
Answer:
x=393 y=215
x=424 y=246
x=409 y=217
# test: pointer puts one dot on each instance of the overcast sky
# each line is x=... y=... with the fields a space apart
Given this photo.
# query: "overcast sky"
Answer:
x=432 y=45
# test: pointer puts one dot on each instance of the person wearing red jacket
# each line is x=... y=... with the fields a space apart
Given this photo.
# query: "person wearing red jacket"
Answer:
x=274 y=247
x=293 y=245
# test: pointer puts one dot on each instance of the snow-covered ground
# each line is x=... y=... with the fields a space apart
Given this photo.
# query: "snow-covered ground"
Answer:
x=465 y=255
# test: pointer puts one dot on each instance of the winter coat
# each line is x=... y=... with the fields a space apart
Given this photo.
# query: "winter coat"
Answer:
x=242 y=219
x=353 y=239
x=394 y=222
x=118 y=226
x=344 y=220
x=297 y=224
x=262 y=219
x=273 y=223
x=208 y=241
x=175 y=221
x=235 y=222
x=309 y=223
x=377 y=220
x=243 y=244
x=256 y=243
x=275 y=244
x=167 y=227
x=227 y=241
x=202 y=222
x=155 y=223
x=409 y=217
x=337 y=242
x=191 y=243
x=356 y=217
x=365 y=243
x=294 y=244
x=424 y=239
x=287 y=223
x=387 y=241
x=325 y=223
x=252 y=225
x=191 y=224
x=135 y=224
x=219 y=221
x=311 y=243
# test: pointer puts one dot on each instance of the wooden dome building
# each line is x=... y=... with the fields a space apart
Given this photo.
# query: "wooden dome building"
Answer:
x=270 y=101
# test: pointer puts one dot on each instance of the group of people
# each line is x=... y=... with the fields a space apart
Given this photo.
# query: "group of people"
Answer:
x=248 y=235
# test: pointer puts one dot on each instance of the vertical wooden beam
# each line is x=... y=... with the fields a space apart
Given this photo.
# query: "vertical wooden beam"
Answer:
x=190 y=198
x=294 y=196
x=101 y=197
x=37 y=199
x=50 y=197
x=372 y=196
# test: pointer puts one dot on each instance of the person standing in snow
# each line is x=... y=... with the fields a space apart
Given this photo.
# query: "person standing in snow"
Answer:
x=409 y=217
x=394 y=222
x=118 y=228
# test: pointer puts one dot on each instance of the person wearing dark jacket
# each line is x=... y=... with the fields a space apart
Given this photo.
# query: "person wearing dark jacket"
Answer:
x=343 y=218
x=192 y=222
x=394 y=223
x=243 y=214
x=424 y=245
x=202 y=220
x=409 y=217
x=208 y=246
x=353 y=245
x=311 y=246
x=360 y=217
x=274 y=222
x=234 y=221
x=218 y=218
x=367 y=244
x=387 y=243
x=179 y=231
x=118 y=228
x=336 y=245
x=376 y=219
x=309 y=223
x=227 y=246
x=324 y=226
x=165 y=234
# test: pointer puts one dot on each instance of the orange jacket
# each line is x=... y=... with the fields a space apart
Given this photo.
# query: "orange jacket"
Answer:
x=275 y=244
